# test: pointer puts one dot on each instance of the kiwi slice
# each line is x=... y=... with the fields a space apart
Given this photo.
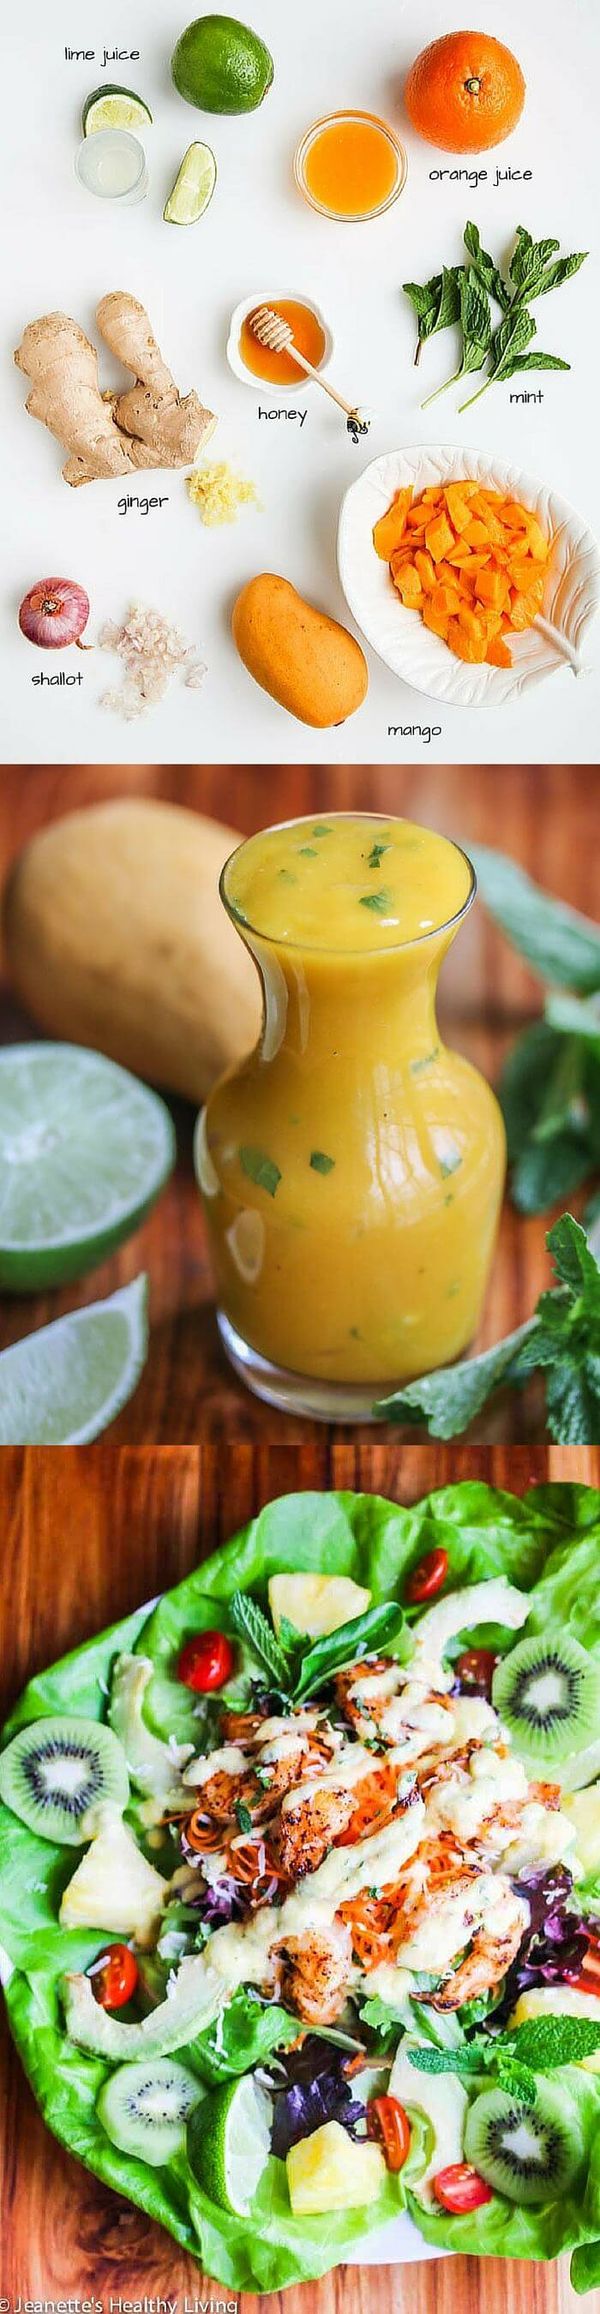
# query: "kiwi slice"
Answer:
x=530 y=2153
x=547 y=1691
x=144 y=2108
x=56 y=1769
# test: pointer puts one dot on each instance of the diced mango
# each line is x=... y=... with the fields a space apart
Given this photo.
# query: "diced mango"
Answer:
x=447 y=600
x=439 y=536
x=476 y=534
x=426 y=569
x=435 y=619
x=390 y=529
x=472 y=562
x=537 y=544
x=409 y=587
x=491 y=587
x=458 y=506
x=471 y=647
x=497 y=654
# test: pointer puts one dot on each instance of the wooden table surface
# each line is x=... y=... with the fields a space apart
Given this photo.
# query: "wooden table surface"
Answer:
x=547 y=817
x=88 y=1534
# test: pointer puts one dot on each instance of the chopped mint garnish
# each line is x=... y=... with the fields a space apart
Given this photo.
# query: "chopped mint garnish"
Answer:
x=320 y=1162
x=377 y=854
x=260 y=1169
x=426 y=1061
x=378 y=901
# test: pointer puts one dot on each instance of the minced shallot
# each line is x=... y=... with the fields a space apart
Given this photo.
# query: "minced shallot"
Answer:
x=151 y=650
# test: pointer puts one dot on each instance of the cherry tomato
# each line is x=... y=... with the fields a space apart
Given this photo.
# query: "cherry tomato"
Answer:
x=206 y=1662
x=114 y=1976
x=460 y=2188
x=475 y=1670
x=389 y=2125
x=426 y=1579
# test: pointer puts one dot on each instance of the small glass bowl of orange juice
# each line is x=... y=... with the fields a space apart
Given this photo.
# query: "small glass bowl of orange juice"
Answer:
x=351 y=166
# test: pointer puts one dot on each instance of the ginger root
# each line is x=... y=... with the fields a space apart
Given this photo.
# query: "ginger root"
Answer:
x=150 y=424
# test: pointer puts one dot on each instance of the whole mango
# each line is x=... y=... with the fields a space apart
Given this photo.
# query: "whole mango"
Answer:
x=305 y=660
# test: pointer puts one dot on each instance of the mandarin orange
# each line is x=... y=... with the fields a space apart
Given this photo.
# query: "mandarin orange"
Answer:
x=465 y=92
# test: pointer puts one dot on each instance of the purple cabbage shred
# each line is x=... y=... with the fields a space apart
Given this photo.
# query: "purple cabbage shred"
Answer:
x=320 y=2092
x=554 y=1946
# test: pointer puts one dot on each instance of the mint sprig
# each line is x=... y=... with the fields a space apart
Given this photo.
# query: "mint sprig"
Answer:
x=298 y=1666
x=253 y=1627
x=561 y=1342
x=462 y=293
x=539 y=2045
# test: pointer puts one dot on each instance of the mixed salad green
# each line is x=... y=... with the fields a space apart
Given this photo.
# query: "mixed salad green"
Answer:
x=157 y=1935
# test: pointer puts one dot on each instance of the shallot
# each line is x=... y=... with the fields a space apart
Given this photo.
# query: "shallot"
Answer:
x=54 y=613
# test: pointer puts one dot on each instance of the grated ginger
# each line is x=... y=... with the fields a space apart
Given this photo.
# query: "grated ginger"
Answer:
x=218 y=492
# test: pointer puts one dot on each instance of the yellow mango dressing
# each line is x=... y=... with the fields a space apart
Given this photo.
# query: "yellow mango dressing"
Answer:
x=352 y=1167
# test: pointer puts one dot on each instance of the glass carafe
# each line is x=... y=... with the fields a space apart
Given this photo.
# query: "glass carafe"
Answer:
x=351 y=1168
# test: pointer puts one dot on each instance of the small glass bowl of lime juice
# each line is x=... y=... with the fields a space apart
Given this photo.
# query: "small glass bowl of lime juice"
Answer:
x=112 y=164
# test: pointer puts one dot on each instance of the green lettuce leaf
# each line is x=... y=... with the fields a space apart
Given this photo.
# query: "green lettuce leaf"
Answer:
x=549 y=1544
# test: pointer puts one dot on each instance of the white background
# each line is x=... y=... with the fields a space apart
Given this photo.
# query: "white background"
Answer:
x=64 y=249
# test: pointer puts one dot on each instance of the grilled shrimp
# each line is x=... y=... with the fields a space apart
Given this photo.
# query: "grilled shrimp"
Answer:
x=485 y=1964
x=316 y=1973
x=364 y=1718
x=308 y=1828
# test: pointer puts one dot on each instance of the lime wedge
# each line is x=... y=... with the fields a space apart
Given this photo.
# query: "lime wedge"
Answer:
x=228 y=2143
x=193 y=188
x=63 y=1385
x=84 y=1151
x=114 y=108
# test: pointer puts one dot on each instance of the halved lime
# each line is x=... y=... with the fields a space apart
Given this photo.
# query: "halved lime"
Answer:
x=193 y=188
x=114 y=108
x=228 y=2142
x=63 y=1385
x=84 y=1151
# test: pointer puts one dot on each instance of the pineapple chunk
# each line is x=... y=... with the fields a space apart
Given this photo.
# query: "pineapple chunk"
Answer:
x=584 y=1811
x=332 y=2171
x=114 y=1887
x=555 y=2001
x=316 y=1604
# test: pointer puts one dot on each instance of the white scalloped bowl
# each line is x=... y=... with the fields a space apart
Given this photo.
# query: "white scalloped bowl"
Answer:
x=420 y=658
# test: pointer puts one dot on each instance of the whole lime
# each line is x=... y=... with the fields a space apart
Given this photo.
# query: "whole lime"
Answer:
x=221 y=66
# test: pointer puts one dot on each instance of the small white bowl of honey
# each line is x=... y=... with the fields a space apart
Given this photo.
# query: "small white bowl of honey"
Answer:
x=259 y=365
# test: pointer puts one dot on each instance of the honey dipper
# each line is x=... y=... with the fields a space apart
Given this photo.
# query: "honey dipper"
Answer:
x=278 y=337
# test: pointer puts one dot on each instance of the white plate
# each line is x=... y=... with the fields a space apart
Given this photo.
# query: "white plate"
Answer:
x=398 y=635
x=399 y=2243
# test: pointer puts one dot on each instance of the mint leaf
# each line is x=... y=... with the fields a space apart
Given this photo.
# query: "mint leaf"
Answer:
x=320 y=1162
x=462 y=2061
x=542 y=2043
x=378 y=901
x=435 y=302
x=366 y=1634
x=550 y=1097
x=261 y=1169
x=561 y=1340
x=560 y=944
x=517 y=2079
x=487 y=272
x=252 y=1626
x=448 y=1400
